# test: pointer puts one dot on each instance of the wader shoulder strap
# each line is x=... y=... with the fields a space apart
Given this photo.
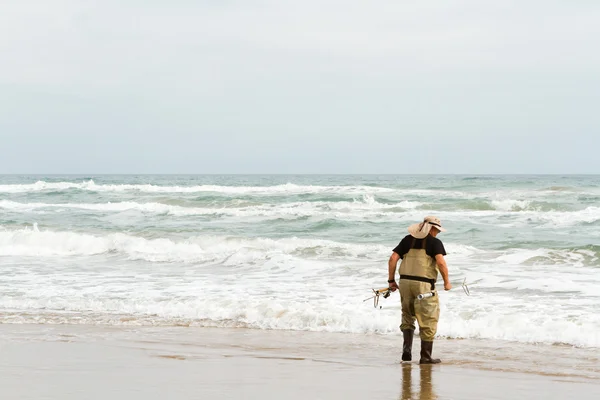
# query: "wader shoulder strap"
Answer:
x=423 y=244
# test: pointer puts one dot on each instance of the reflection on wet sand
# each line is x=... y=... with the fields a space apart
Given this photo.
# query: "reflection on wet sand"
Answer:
x=425 y=390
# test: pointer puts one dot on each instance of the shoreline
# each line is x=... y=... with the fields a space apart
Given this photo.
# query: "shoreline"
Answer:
x=97 y=362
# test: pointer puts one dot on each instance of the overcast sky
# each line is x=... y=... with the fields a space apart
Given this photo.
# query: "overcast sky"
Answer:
x=313 y=86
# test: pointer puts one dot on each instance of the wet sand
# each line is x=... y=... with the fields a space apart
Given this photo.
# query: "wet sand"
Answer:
x=87 y=362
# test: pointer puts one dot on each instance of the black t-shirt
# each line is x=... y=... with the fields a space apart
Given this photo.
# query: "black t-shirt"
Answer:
x=434 y=246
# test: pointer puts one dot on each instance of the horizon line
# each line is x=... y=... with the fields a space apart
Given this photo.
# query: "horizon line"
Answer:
x=304 y=174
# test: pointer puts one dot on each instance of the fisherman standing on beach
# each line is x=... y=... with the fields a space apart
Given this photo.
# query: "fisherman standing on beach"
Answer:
x=422 y=254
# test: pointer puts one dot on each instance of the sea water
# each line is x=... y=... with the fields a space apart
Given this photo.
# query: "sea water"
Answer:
x=300 y=252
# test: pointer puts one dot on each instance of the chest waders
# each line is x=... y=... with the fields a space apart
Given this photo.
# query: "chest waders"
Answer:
x=418 y=273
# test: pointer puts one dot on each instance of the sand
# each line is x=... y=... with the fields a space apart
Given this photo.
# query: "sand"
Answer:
x=90 y=362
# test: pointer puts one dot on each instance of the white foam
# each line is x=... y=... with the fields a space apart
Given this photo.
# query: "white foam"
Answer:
x=526 y=218
x=35 y=242
x=555 y=218
x=292 y=283
x=493 y=318
x=528 y=322
x=365 y=209
x=288 y=188
x=358 y=209
x=511 y=205
x=462 y=250
x=281 y=189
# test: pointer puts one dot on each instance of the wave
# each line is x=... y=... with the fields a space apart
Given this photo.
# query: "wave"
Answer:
x=233 y=251
x=366 y=208
x=560 y=189
x=288 y=188
x=511 y=205
x=533 y=323
x=525 y=218
x=583 y=256
x=342 y=313
x=298 y=209
x=204 y=249
x=507 y=205
x=588 y=215
x=282 y=189
x=289 y=284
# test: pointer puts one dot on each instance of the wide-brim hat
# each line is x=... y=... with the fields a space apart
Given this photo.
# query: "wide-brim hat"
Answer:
x=422 y=229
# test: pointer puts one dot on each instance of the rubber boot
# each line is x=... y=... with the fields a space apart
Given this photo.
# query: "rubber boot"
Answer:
x=407 y=346
x=426 y=349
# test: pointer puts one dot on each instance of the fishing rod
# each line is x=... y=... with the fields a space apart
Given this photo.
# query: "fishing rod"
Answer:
x=386 y=292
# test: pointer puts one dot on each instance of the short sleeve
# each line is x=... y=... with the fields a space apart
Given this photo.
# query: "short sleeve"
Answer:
x=435 y=247
x=403 y=247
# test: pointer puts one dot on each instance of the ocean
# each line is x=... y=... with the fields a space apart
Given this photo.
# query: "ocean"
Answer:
x=299 y=252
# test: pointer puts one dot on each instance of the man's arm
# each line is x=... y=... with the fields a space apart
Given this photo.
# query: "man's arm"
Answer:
x=441 y=263
x=392 y=263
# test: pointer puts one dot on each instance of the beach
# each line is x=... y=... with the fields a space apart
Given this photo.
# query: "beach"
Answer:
x=250 y=286
x=91 y=362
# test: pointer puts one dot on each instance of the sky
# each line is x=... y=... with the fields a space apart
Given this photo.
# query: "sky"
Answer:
x=318 y=86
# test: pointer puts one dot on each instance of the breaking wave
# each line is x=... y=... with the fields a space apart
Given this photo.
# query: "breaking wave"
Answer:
x=229 y=250
x=359 y=209
x=288 y=188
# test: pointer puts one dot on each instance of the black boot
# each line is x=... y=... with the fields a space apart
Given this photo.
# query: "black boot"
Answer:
x=407 y=346
x=426 y=349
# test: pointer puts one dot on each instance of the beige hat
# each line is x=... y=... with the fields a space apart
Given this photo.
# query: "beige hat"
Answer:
x=421 y=230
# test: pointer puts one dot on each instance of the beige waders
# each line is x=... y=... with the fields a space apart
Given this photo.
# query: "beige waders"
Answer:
x=418 y=273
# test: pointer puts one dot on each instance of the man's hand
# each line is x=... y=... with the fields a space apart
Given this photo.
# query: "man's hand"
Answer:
x=393 y=286
x=447 y=285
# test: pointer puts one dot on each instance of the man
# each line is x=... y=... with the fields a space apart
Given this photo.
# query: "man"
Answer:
x=422 y=254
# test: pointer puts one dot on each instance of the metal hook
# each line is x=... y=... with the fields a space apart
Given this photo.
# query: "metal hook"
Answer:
x=466 y=288
x=385 y=292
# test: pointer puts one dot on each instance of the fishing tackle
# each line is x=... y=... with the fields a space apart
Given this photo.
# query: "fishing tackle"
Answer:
x=385 y=292
x=425 y=295
x=466 y=288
